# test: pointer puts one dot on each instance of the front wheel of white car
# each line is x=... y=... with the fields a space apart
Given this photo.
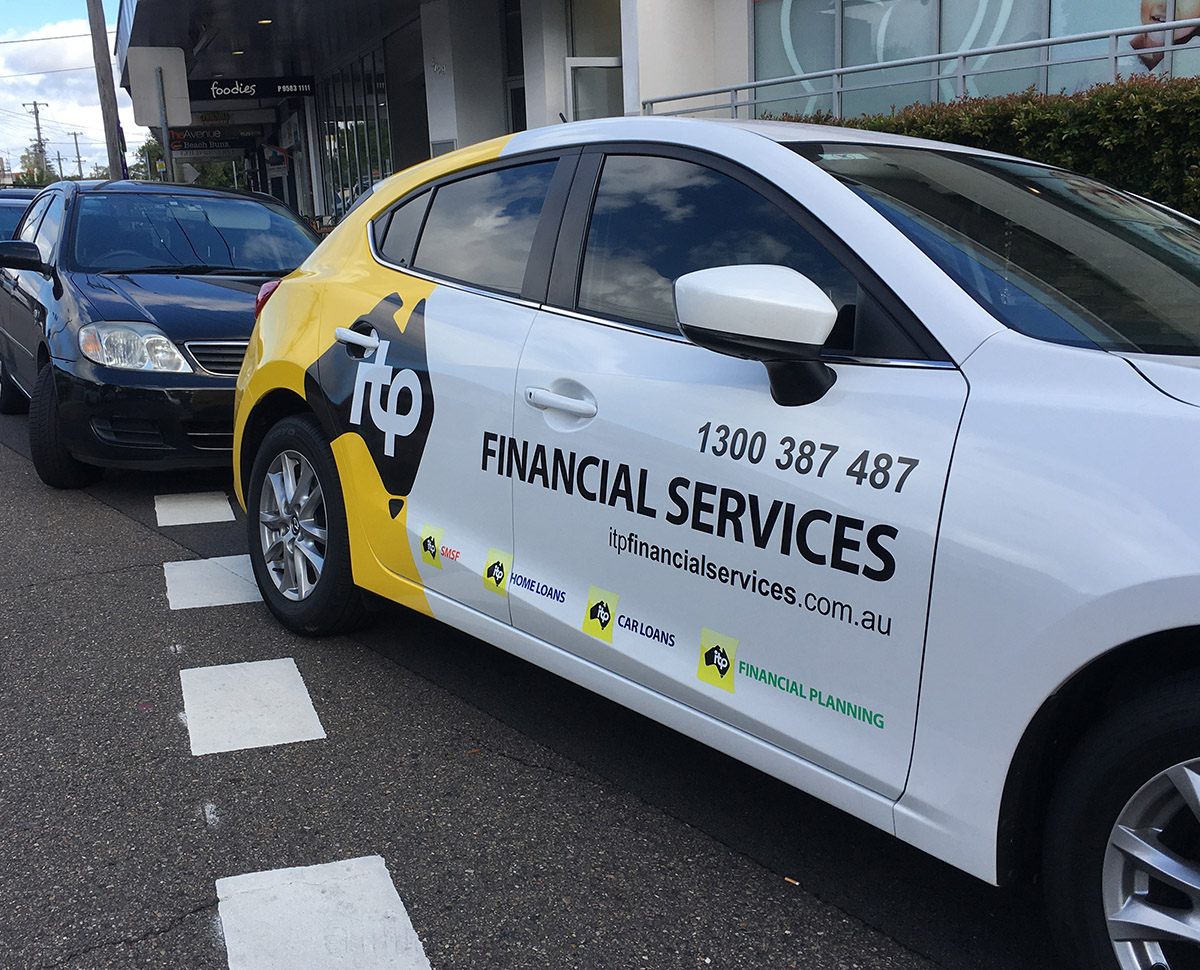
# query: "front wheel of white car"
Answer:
x=1122 y=852
x=296 y=526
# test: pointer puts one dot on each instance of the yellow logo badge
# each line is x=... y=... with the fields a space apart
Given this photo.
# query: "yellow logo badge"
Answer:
x=601 y=614
x=716 y=659
x=431 y=542
x=496 y=570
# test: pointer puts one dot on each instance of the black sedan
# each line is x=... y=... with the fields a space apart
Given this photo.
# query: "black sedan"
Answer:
x=125 y=311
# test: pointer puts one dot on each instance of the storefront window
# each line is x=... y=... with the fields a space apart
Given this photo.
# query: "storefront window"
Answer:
x=357 y=137
x=795 y=37
x=1139 y=54
x=874 y=31
x=991 y=23
x=806 y=36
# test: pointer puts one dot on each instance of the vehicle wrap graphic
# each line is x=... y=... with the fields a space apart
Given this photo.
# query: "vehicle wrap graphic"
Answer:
x=819 y=536
x=431 y=542
x=717 y=655
x=385 y=395
x=598 y=617
x=496 y=570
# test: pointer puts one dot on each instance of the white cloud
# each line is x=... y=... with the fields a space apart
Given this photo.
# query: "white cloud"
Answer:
x=70 y=99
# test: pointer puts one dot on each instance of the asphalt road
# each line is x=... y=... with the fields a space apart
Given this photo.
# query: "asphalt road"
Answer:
x=524 y=822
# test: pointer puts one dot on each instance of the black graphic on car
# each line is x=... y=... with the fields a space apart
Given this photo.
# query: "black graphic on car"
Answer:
x=495 y=572
x=333 y=376
x=601 y=614
x=429 y=544
x=717 y=657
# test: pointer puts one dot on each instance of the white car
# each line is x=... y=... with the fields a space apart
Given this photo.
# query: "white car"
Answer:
x=869 y=461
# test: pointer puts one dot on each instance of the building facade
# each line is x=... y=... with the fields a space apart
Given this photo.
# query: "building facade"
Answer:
x=316 y=100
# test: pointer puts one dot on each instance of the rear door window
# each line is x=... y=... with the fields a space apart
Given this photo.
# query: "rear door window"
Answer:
x=480 y=229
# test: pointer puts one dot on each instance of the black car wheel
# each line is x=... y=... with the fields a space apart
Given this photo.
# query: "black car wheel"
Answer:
x=1122 y=855
x=296 y=524
x=12 y=399
x=55 y=466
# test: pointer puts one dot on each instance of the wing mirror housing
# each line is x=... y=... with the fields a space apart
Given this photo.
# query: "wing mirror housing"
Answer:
x=761 y=312
x=17 y=254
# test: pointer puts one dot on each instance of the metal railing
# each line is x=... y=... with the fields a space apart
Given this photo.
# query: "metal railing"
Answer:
x=735 y=97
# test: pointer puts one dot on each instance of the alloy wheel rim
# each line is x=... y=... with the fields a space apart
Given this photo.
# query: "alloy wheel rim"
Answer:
x=1150 y=882
x=291 y=525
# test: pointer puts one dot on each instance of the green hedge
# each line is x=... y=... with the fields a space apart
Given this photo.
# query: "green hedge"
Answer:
x=1141 y=134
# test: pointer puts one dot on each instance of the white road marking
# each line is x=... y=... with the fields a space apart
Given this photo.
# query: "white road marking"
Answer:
x=192 y=508
x=210 y=815
x=338 y=916
x=210 y=582
x=247 y=705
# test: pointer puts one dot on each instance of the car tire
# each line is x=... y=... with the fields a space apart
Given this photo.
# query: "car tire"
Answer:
x=1122 y=841
x=55 y=466
x=296 y=527
x=12 y=398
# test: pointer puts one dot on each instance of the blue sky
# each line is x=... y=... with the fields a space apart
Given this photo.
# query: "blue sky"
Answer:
x=42 y=59
x=23 y=18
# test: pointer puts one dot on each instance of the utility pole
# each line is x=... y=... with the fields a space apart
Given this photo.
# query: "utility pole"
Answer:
x=60 y=168
x=104 y=82
x=78 y=157
x=37 y=124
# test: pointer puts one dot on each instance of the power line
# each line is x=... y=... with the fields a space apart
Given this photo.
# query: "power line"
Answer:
x=61 y=70
x=31 y=40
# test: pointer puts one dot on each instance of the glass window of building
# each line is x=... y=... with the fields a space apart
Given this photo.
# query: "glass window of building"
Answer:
x=808 y=36
x=357 y=137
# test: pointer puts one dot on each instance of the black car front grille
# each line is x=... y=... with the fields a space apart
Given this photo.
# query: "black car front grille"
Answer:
x=130 y=432
x=218 y=356
x=209 y=435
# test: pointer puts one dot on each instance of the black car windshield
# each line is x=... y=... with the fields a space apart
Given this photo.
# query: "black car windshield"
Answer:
x=1049 y=253
x=127 y=232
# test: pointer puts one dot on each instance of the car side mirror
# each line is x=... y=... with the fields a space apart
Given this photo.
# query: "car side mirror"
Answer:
x=17 y=254
x=761 y=312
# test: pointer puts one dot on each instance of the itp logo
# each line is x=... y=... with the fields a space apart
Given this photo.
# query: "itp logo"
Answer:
x=600 y=612
x=398 y=414
x=716 y=659
x=385 y=395
x=496 y=570
x=431 y=542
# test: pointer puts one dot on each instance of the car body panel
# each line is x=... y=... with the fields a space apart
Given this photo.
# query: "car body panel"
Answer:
x=187 y=307
x=1061 y=539
x=1055 y=541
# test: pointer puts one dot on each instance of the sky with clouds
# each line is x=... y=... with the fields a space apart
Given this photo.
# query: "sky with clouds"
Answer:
x=34 y=69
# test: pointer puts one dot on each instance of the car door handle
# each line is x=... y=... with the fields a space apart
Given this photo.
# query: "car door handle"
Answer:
x=539 y=397
x=367 y=341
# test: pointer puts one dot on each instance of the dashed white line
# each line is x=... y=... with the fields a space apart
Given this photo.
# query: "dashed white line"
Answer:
x=192 y=508
x=210 y=582
x=338 y=916
x=247 y=705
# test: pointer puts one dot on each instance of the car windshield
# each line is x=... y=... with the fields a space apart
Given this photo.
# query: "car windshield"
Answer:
x=153 y=232
x=1050 y=254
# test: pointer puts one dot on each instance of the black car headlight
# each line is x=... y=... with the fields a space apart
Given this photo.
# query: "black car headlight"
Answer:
x=131 y=346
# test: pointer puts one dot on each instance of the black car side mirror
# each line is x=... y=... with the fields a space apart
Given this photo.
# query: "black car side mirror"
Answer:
x=16 y=254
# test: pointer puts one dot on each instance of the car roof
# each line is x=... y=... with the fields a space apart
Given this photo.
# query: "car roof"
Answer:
x=685 y=131
x=150 y=186
x=13 y=193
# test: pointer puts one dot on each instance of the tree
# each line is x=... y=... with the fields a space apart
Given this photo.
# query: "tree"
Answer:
x=33 y=167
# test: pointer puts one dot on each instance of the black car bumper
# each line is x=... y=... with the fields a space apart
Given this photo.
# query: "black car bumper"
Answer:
x=145 y=421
